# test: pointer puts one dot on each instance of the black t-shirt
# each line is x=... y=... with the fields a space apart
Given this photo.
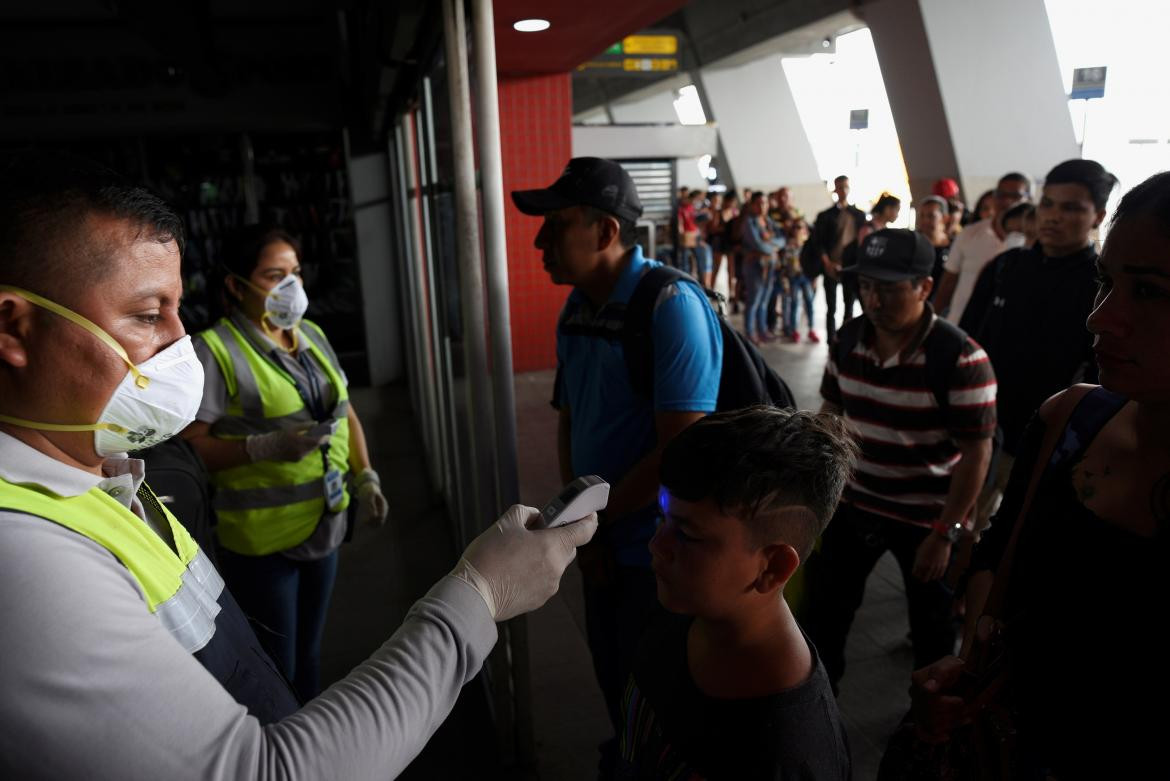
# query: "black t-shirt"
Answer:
x=674 y=731
x=1034 y=330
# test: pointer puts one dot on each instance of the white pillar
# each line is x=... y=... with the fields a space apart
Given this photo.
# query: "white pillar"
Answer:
x=974 y=85
x=761 y=130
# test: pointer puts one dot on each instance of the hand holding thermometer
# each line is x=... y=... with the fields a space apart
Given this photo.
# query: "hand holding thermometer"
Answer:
x=584 y=495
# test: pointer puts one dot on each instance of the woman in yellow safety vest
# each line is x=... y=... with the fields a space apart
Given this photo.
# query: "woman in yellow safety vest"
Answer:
x=279 y=435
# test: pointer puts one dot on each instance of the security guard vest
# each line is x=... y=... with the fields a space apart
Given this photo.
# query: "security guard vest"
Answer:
x=181 y=588
x=272 y=506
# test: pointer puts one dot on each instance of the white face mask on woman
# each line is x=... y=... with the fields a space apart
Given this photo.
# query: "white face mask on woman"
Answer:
x=154 y=401
x=285 y=304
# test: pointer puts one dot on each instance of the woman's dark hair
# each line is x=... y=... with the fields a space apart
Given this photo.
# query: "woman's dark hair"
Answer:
x=241 y=250
x=756 y=464
x=982 y=200
x=1088 y=173
x=885 y=201
x=1150 y=199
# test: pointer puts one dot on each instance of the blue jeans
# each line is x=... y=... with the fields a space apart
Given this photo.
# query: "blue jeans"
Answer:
x=799 y=288
x=757 y=286
x=286 y=601
x=704 y=259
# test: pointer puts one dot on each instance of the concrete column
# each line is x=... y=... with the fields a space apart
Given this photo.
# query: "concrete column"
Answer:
x=761 y=130
x=975 y=89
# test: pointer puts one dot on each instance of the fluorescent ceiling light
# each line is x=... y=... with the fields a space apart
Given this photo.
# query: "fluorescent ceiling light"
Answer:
x=531 y=25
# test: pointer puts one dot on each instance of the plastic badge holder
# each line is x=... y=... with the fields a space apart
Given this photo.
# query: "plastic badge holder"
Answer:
x=584 y=495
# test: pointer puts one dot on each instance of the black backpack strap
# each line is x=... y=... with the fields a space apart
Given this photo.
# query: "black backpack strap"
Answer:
x=637 y=337
x=951 y=341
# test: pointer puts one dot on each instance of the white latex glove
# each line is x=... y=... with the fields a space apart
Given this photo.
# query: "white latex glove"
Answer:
x=516 y=569
x=372 y=505
x=282 y=445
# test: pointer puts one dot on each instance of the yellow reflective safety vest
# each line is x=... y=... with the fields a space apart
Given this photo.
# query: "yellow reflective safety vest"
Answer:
x=272 y=506
x=181 y=588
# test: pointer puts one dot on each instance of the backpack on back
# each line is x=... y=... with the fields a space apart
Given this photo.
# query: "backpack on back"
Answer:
x=176 y=474
x=745 y=379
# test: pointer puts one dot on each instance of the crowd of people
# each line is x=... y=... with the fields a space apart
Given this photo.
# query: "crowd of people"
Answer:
x=970 y=326
x=961 y=428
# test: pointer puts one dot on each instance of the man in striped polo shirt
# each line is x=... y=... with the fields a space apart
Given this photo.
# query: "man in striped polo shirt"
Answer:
x=919 y=395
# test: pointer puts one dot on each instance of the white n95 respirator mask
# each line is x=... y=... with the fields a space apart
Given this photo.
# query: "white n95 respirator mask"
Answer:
x=155 y=400
x=286 y=304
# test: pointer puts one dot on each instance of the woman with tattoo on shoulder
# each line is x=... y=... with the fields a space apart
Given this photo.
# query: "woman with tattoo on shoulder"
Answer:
x=1083 y=620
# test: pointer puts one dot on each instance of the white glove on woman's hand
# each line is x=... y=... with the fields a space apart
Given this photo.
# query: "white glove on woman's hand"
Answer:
x=282 y=445
x=372 y=505
x=516 y=569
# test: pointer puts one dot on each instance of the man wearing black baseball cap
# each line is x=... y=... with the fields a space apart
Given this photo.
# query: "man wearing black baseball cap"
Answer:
x=607 y=428
x=921 y=396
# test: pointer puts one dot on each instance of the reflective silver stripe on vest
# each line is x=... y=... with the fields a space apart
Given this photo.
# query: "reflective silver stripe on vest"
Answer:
x=248 y=393
x=271 y=496
x=190 y=614
x=232 y=426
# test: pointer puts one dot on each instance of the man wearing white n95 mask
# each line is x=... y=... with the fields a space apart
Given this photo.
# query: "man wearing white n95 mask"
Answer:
x=123 y=655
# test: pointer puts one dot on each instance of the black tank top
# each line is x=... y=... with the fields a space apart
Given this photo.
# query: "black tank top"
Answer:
x=1086 y=621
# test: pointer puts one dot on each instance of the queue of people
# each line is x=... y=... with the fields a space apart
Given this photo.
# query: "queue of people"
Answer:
x=921 y=429
x=972 y=444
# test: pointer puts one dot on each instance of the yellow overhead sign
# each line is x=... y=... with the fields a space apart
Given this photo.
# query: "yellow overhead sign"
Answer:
x=650 y=44
x=649 y=64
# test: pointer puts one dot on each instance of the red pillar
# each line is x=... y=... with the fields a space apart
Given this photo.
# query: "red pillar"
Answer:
x=536 y=116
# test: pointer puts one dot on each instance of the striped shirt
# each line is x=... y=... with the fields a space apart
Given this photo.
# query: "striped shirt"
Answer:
x=907 y=438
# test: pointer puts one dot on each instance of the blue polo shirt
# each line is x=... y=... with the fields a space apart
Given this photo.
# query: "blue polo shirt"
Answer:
x=612 y=425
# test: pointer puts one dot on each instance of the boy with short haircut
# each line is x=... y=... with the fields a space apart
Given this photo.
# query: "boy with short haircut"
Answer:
x=727 y=685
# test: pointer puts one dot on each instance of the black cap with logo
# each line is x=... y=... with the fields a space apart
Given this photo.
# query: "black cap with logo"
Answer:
x=586 y=181
x=894 y=254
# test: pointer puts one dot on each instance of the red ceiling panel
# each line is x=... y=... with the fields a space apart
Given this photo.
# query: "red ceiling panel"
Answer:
x=579 y=31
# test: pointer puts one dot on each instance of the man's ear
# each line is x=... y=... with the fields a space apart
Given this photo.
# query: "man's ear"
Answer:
x=925 y=288
x=607 y=232
x=17 y=317
x=780 y=561
x=1100 y=218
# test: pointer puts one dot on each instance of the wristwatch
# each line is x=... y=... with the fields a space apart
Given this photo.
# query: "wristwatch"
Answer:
x=951 y=532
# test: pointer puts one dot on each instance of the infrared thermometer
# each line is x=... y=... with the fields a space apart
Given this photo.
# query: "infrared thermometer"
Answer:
x=584 y=495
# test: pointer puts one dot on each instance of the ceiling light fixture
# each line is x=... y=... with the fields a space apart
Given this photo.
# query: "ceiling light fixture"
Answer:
x=531 y=25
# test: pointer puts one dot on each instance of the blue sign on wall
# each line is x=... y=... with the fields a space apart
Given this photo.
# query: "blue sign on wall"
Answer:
x=859 y=119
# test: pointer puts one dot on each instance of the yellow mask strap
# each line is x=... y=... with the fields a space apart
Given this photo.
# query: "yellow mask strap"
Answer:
x=140 y=379
x=62 y=426
x=271 y=332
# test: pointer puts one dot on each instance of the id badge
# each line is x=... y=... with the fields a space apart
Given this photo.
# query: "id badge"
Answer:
x=334 y=490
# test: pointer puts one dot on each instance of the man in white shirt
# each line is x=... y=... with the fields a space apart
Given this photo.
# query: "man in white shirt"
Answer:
x=975 y=247
x=116 y=633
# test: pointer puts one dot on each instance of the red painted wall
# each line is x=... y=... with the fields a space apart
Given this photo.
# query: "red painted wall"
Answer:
x=536 y=116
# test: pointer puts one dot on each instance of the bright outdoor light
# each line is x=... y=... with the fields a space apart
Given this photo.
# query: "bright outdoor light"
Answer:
x=531 y=25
